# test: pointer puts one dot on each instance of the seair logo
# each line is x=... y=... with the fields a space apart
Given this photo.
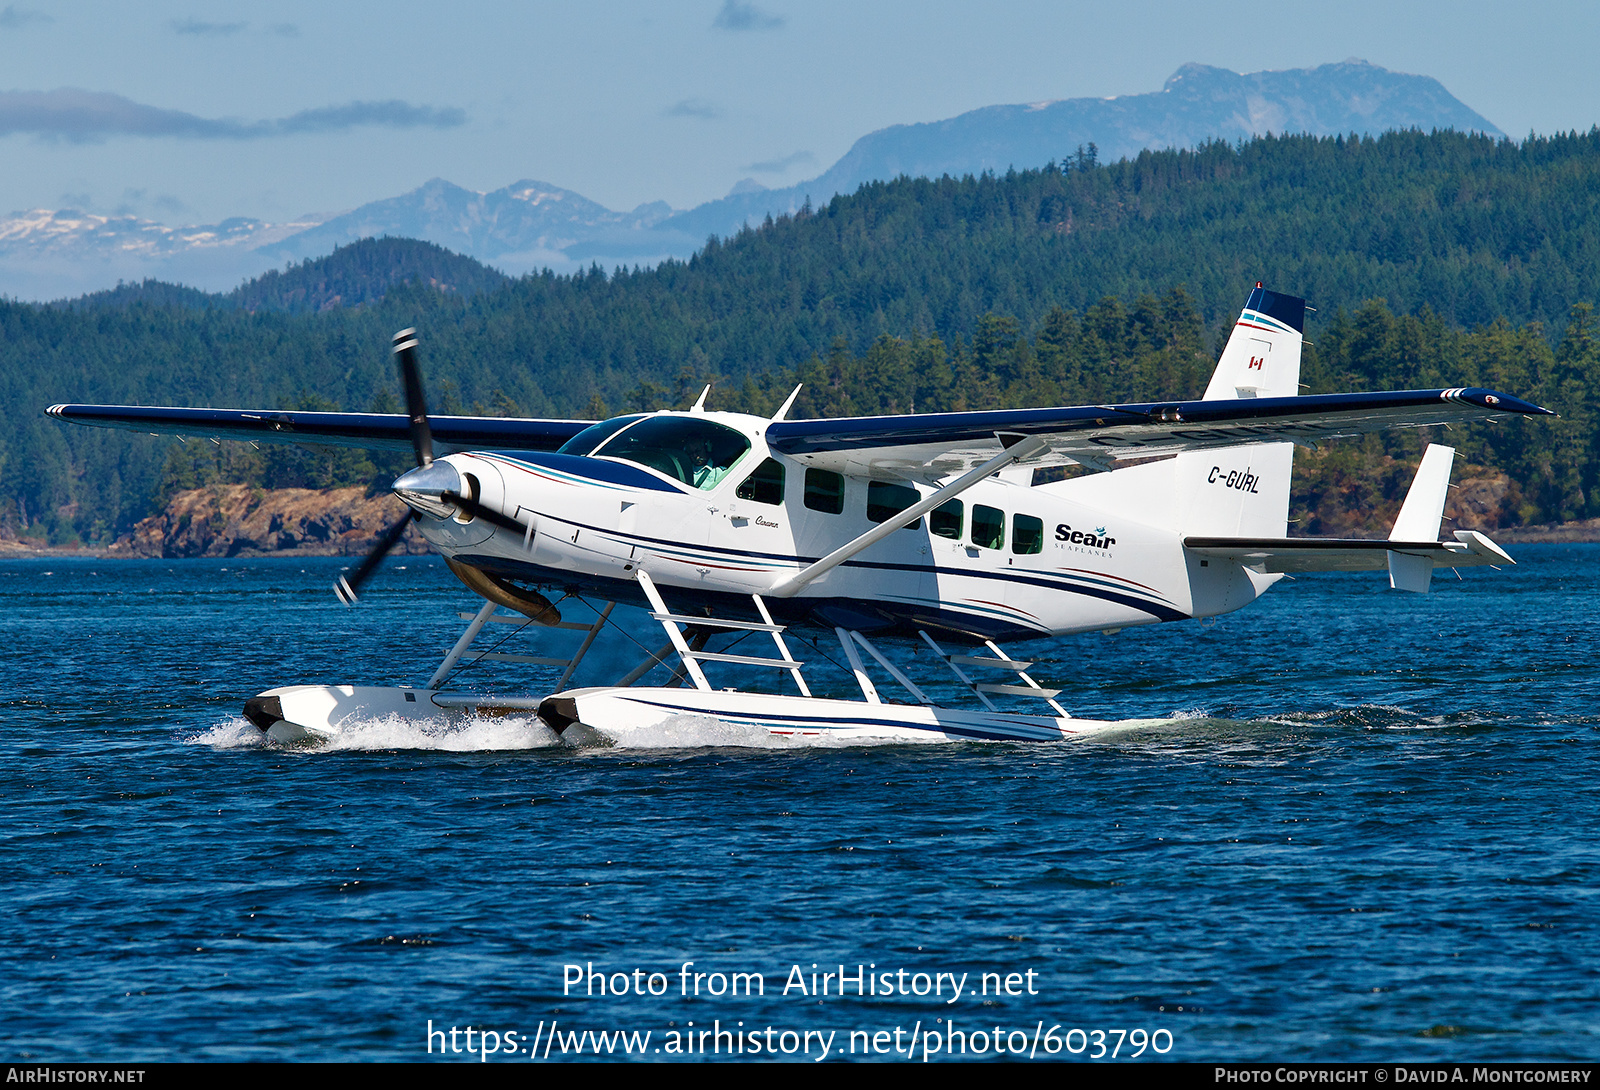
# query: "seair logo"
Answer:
x=1244 y=481
x=1095 y=540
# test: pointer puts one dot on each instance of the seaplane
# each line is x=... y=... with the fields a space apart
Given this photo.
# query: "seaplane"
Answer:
x=872 y=531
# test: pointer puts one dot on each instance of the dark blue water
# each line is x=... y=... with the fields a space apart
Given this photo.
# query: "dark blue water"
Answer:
x=1366 y=832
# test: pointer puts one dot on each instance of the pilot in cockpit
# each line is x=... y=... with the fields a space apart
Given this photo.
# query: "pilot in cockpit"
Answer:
x=704 y=474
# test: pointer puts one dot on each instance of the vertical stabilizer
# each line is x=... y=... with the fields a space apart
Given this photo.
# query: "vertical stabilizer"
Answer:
x=1419 y=520
x=1243 y=491
x=1263 y=354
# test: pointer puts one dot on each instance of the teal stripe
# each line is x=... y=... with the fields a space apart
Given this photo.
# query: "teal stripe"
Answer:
x=1264 y=320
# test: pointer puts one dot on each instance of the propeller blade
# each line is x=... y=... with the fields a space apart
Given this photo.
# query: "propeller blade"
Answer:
x=487 y=514
x=405 y=347
x=348 y=587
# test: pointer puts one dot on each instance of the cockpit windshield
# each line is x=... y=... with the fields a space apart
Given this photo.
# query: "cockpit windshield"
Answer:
x=690 y=449
x=595 y=434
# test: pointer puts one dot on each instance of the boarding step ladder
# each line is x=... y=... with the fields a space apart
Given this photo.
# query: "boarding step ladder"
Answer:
x=1000 y=661
x=487 y=616
x=688 y=636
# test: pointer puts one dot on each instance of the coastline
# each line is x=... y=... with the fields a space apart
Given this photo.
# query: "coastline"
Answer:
x=225 y=521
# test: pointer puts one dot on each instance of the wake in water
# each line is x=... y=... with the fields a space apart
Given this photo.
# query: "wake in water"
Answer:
x=1388 y=717
x=466 y=735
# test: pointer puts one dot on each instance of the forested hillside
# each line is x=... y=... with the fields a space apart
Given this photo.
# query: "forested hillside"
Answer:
x=358 y=273
x=1435 y=260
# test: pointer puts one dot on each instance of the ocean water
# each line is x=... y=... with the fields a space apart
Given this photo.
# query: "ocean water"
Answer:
x=1364 y=829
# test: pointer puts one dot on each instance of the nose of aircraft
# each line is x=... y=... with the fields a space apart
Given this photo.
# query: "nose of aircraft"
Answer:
x=422 y=489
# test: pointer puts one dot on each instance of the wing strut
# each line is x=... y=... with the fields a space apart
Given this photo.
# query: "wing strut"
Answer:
x=1022 y=448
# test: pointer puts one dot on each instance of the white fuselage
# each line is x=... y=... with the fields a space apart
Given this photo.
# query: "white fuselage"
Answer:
x=1013 y=561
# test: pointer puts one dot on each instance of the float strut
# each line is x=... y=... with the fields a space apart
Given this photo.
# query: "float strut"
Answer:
x=461 y=645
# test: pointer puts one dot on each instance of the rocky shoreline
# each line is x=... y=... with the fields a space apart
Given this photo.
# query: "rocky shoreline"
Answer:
x=1581 y=530
x=239 y=521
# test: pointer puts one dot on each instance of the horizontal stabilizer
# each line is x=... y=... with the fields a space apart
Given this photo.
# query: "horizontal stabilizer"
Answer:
x=1293 y=555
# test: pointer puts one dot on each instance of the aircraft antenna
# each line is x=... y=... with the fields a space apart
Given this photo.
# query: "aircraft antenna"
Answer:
x=783 y=410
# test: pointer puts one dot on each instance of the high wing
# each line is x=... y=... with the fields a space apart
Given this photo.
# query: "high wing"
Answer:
x=1099 y=435
x=936 y=444
x=372 y=431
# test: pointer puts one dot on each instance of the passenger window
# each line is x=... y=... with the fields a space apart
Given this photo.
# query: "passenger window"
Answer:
x=765 y=485
x=1027 y=534
x=824 y=491
x=884 y=501
x=988 y=527
x=945 y=520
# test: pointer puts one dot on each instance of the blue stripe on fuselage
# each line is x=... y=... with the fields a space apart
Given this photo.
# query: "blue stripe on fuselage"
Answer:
x=603 y=470
x=1047 y=580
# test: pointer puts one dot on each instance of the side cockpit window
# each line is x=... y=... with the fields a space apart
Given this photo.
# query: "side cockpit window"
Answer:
x=698 y=452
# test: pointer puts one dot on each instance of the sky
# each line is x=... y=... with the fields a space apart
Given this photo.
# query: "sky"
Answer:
x=191 y=112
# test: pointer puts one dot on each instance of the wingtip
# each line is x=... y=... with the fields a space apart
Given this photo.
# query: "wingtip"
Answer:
x=1495 y=401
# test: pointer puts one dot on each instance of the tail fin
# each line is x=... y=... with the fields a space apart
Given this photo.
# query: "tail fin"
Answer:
x=1263 y=355
x=1244 y=490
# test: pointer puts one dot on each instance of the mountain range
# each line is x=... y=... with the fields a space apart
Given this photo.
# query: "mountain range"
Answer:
x=531 y=225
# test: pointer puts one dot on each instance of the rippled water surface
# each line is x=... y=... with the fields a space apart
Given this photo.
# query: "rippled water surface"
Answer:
x=1365 y=829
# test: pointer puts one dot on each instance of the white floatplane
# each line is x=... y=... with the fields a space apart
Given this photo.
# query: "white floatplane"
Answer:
x=925 y=527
